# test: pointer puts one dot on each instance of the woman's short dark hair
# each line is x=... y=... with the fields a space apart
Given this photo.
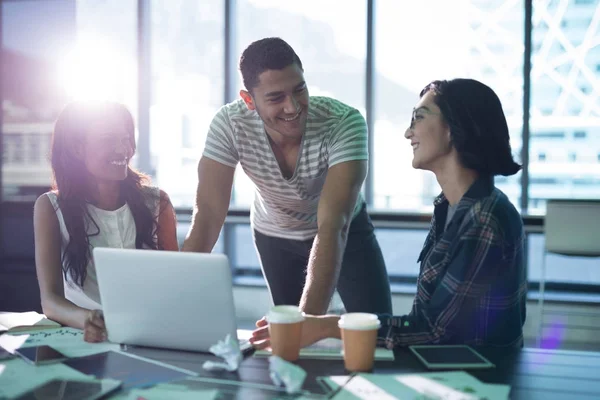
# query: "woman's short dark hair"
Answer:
x=478 y=128
x=265 y=54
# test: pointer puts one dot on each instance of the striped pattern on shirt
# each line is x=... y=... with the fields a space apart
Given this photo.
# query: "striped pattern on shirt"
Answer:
x=287 y=208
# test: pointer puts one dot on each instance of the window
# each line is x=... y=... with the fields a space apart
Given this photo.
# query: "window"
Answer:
x=187 y=66
x=543 y=180
x=563 y=269
x=246 y=259
x=572 y=157
x=565 y=106
x=549 y=135
x=331 y=45
x=53 y=52
x=31 y=99
x=187 y=40
x=407 y=57
x=401 y=260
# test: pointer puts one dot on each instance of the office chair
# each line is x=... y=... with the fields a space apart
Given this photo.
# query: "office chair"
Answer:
x=572 y=228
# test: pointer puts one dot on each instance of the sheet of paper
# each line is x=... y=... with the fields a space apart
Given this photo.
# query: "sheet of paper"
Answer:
x=430 y=388
x=25 y=320
x=361 y=388
x=455 y=382
x=331 y=349
x=10 y=319
x=10 y=343
x=451 y=385
x=17 y=376
x=68 y=341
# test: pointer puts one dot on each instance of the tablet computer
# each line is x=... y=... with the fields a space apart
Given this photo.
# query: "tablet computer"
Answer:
x=39 y=355
x=450 y=357
x=66 y=389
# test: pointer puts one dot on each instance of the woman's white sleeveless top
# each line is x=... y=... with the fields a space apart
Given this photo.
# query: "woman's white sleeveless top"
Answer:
x=116 y=229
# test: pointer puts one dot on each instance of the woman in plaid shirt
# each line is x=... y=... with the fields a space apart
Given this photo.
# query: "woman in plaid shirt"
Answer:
x=472 y=286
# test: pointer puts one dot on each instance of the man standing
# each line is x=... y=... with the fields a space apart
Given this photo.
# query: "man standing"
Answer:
x=307 y=157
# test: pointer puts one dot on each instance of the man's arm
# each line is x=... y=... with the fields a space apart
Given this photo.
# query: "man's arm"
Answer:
x=334 y=215
x=213 y=194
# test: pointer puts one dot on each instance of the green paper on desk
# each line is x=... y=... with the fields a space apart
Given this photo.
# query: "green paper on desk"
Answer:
x=457 y=385
x=68 y=341
x=17 y=376
x=168 y=391
x=330 y=349
x=25 y=321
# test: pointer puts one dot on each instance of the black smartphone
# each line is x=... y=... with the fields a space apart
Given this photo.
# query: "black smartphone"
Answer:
x=40 y=355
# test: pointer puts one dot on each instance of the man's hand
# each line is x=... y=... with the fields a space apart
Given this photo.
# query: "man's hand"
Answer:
x=314 y=329
x=94 y=329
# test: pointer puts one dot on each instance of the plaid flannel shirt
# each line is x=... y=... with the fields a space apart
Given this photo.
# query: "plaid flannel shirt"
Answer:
x=472 y=286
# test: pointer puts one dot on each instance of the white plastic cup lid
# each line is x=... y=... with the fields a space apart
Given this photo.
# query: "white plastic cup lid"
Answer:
x=359 y=321
x=285 y=315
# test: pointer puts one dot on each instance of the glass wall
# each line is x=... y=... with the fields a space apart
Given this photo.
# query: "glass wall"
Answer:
x=331 y=45
x=32 y=94
x=187 y=68
x=54 y=51
x=413 y=46
x=565 y=102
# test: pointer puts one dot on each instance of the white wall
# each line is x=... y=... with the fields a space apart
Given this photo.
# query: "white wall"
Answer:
x=571 y=325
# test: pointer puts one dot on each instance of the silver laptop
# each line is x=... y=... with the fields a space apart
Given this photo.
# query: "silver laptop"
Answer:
x=165 y=299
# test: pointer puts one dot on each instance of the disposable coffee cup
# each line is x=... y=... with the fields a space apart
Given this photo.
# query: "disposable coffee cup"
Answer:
x=359 y=337
x=285 y=329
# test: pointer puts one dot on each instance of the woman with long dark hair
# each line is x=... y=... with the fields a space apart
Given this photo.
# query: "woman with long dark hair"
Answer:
x=97 y=200
x=472 y=286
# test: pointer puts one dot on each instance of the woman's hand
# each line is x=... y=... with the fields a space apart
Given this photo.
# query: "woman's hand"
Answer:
x=314 y=329
x=94 y=329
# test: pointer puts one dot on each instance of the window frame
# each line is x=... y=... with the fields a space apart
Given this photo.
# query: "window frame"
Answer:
x=532 y=223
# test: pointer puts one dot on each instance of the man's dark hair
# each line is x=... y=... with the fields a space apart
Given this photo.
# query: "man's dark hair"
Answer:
x=264 y=54
x=478 y=128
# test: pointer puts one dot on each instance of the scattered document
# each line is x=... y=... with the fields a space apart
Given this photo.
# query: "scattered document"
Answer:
x=361 y=388
x=330 y=349
x=68 y=341
x=458 y=381
x=451 y=385
x=17 y=376
x=25 y=321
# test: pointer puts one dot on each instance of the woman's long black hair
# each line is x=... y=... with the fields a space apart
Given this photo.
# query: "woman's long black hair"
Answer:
x=71 y=181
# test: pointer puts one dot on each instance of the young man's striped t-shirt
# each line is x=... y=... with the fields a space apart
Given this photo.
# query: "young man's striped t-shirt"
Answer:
x=287 y=208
